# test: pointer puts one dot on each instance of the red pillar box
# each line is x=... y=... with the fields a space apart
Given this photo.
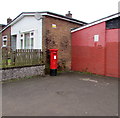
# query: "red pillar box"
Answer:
x=53 y=62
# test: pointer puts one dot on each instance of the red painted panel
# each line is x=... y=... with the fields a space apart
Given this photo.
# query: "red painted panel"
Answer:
x=112 y=52
x=96 y=57
x=88 y=55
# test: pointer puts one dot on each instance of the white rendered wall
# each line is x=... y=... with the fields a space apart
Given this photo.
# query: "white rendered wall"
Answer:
x=28 y=24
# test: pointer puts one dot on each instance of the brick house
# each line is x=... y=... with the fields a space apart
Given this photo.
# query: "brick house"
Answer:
x=2 y=26
x=43 y=30
x=5 y=38
x=5 y=35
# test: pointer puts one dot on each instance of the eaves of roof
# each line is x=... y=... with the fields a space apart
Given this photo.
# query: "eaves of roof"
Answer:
x=20 y=16
x=97 y=22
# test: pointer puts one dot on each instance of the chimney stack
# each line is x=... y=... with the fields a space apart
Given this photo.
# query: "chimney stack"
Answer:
x=69 y=14
x=9 y=20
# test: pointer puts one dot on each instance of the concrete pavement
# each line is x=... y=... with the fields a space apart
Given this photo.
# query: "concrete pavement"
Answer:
x=68 y=94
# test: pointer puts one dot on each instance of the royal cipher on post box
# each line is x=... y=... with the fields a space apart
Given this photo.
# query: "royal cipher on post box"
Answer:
x=53 y=62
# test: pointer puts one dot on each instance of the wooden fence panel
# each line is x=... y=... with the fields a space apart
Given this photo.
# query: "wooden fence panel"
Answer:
x=21 y=57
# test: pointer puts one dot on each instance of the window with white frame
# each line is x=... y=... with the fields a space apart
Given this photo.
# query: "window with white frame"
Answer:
x=31 y=40
x=13 y=42
x=4 y=40
x=27 y=40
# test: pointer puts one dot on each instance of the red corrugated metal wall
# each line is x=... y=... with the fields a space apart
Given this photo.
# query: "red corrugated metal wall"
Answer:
x=95 y=57
x=112 y=52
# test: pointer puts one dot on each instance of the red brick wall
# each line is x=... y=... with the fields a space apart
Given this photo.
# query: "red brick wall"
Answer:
x=58 y=38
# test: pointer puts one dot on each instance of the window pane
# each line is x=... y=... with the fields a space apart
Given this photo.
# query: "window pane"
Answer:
x=32 y=43
x=13 y=42
x=32 y=33
x=5 y=37
x=27 y=41
x=4 y=43
x=21 y=44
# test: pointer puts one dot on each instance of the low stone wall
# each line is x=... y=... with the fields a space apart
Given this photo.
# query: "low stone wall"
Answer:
x=21 y=72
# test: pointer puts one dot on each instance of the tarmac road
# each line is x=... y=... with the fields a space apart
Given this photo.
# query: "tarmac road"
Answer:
x=68 y=94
